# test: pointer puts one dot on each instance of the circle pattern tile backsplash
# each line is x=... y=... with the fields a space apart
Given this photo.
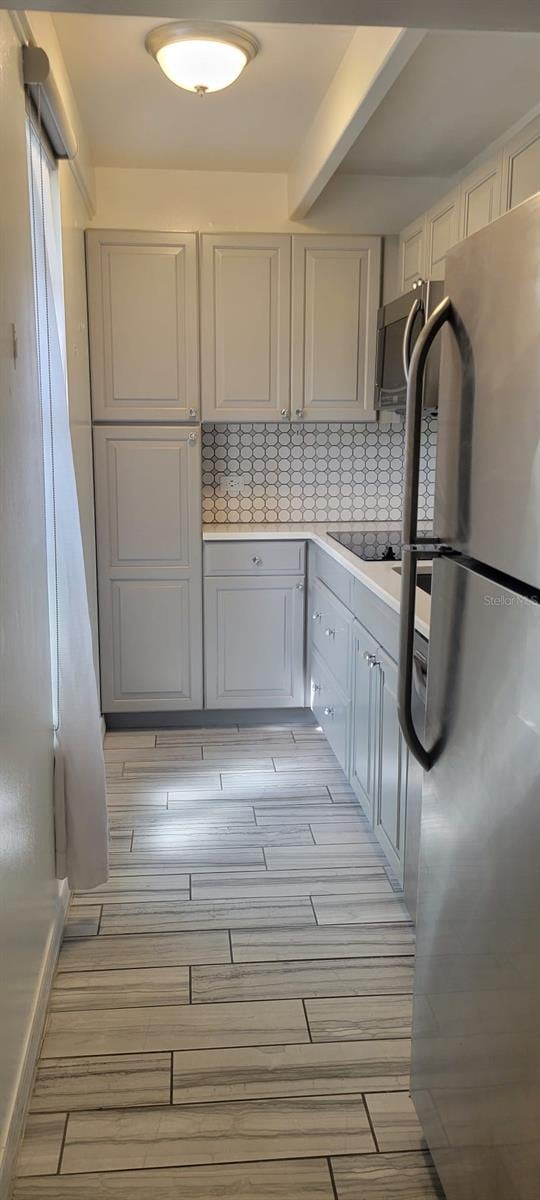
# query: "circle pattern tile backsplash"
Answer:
x=311 y=472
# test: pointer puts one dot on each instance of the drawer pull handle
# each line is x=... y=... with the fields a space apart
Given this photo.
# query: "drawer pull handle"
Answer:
x=329 y=712
x=329 y=633
x=315 y=616
x=370 y=658
x=257 y=562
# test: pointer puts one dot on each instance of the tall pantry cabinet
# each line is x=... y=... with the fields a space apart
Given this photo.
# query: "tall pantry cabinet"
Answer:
x=144 y=354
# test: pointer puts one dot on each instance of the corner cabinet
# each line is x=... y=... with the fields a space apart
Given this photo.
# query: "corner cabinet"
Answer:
x=254 y=602
x=335 y=295
x=148 y=523
x=143 y=314
x=245 y=326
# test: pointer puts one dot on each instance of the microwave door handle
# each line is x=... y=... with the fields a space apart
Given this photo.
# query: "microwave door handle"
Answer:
x=406 y=348
x=411 y=553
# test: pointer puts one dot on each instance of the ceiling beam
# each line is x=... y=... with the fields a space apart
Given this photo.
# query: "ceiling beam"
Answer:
x=509 y=15
x=372 y=62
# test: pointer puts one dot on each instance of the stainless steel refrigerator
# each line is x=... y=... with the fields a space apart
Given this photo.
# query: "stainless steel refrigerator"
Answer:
x=476 y=1041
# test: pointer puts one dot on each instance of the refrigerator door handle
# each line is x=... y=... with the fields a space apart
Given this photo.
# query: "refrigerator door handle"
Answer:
x=406 y=348
x=413 y=430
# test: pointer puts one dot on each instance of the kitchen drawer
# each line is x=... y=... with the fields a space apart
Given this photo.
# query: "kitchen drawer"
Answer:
x=336 y=577
x=254 y=558
x=331 y=708
x=377 y=617
x=331 y=632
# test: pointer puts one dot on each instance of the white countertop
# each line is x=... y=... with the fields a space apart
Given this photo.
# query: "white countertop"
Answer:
x=380 y=577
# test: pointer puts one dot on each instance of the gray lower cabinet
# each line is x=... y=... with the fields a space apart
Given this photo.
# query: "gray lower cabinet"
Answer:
x=148 y=521
x=331 y=707
x=358 y=708
x=390 y=810
x=365 y=732
x=382 y=773
x=254 y=641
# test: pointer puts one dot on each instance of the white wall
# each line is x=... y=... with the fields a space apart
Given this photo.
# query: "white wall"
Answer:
x=30 y=898
x=75 y=218
x=139 y=198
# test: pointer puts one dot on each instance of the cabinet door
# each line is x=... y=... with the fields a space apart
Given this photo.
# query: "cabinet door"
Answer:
x=392 y=792
x=336 y=293
x=365 y=739
x=149 y=567
x=441 y=233
x=245 y=326
x=480 y=197
x=143 y=325
x=412 y=253
x=254 y=642
x=521 y=166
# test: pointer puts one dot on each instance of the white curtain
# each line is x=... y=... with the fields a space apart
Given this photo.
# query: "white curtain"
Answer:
x=80 y=795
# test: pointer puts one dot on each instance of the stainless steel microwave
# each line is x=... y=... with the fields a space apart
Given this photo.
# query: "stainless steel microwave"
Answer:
x=398 y=326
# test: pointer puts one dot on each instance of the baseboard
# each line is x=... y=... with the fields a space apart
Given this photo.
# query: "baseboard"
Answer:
x=209 y=718
x=23 y=1090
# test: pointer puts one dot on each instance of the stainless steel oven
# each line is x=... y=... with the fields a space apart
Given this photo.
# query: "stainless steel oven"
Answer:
x=398 y=326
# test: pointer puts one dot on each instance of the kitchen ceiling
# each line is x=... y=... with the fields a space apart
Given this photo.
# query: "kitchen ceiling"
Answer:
x=135 y=117
x=457 y=93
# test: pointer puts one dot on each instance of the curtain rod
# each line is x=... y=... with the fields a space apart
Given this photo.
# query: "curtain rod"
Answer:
x=38 y=78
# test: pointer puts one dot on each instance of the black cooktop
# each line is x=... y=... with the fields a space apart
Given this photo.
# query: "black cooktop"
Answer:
x=381 y=545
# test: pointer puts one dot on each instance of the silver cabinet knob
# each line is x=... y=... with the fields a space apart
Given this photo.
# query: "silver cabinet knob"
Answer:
x=193 y=412
x=316 y=687
x=192 y=438
x=257 y=562
x=373 y=662
x=329 y=633
x=315 y=616
x=299 y=412
x=284 y=412
x=299 y=587
x=329 y=712
x=370 y=658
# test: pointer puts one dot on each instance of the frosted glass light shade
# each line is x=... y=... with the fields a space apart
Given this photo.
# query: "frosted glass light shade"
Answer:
x=201 y=58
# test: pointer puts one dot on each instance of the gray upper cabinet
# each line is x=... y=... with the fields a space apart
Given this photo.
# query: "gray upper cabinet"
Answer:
x=480 y=197
x=143 y=323
x=245 y=326
x=336 y=293
x=149 y=567
x=254 y=641
x=412 y=253
x=521 y=166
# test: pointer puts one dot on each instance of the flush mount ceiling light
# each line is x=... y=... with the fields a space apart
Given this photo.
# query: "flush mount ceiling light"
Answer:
x=203 y=57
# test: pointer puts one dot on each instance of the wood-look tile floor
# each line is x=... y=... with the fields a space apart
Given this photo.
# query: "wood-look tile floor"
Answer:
x=231 y=1013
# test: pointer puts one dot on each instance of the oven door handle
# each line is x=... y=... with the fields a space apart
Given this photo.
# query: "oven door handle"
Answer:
x=416 y=307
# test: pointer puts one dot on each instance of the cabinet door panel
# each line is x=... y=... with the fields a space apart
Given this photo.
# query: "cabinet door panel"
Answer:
x=149 y=567
x=521 y=166
x=254 y=642
x=480 y=198
x=245 y=326
x=365 y=748
x=336 y=290
x=331 y=708
x=391 y=805
x=412 y=253
x=441 y=233
x=151 y=640
x=143 y=323
x=149 y=524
